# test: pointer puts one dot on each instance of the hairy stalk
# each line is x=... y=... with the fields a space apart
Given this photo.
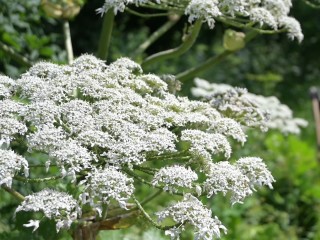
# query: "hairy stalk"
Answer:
x=161 y=6
x=157 y=34
x=147 y=217
x=175 y=52
x=312 y=4
x=248 y=26
x=142 y=180
x=163 y=158
x=41 y=165
x=170 y=155
x=105 y=37
x=14 y=193
x=67 y=41
x=136 y=176
x=119 y=211
x=146 y=15
x=192 y=72
x=15 y=56
x=151 y=197
x=36 y=180
x=145 y=169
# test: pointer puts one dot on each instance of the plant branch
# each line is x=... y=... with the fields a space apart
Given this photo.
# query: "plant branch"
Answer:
x=105 y=37
x=137 y=177
x=175 y=52
x=41 y=165
x=147 y=216
x=119 y=210
x=311 y=4
x=157 y=34
x=68 y=41
x=151 y=197
x=248 y=26
x=14 y=193
x=145 y=169
x=146 y=15
x=15 y=56
x=36 y=180
x=161 y=6
x=169 y=155
x=192 y=72
x=140 y=179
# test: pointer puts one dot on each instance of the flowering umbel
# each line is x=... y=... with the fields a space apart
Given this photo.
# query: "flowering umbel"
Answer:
x=260 y=14
x=109 y=129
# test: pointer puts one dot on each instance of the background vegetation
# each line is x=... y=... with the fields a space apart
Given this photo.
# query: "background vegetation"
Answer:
x=269 y=65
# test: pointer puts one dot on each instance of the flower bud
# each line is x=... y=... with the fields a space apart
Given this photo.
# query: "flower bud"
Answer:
x=233 y=41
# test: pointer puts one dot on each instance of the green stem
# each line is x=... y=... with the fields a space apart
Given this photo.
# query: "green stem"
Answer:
x=157 y=34
x=119 y=211
x=145 y=169
x=137 y=177
x=147 y=216
x=192 y=72
x=162 y=7
x=140 y=179
x=175 y=52
x=41 y=165
x=67 y=41
x=105 y=37
x=146 y=15
x=311 y=4
x=15 y=56
x=36 y=180
x=248 y=26
x=151 y=197
x=14 y=193
x=170 y=156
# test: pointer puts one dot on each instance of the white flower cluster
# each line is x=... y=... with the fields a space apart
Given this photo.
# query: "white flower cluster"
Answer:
x=120 y=5
x=293 y=27
x=190 y=210
x=249 y=109
x=199 y=9
x=226 y=178
x=256 y=170
x=106 y=184
x=239 y=179
x=10 y=125
x=98 y=123
x=10 y=163
x=270 y=13
x=206 y=144
x=55 y=205
x=173 y=177
x=263 y=16
x=6 y=87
